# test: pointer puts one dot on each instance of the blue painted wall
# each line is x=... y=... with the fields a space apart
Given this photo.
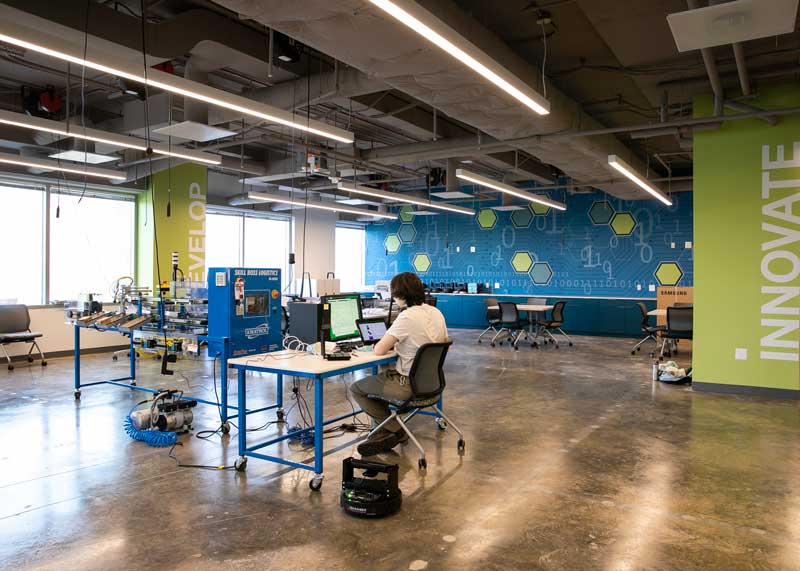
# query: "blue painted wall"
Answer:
x=601 y=247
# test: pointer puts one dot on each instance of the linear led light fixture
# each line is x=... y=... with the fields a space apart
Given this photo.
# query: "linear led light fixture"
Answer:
x=78 y=132
x=630 y=173
x=358 y=189
x=58 y=48
x=266 y=197
x=435 y=31
x=56 y=166
x=470 y=176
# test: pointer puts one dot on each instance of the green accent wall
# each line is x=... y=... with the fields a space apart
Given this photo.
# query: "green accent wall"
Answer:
x=183 y=232
x=746 y=251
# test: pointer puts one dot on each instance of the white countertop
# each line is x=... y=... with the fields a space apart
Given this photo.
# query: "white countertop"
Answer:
x=289 y=362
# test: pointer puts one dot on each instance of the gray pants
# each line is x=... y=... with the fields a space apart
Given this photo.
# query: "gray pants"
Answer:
x=388 y=384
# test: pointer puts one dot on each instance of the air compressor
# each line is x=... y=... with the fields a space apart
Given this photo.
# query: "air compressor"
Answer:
x=168 y=412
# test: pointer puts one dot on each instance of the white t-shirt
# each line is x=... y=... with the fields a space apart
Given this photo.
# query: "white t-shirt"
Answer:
x=417 y=325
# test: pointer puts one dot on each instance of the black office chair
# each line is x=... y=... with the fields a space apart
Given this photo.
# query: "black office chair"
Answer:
x=547 y=326
x=15 y=322
x=679 y=326
x=652 y=332
x=510 y=326
x=427 y=384
x=492 y=316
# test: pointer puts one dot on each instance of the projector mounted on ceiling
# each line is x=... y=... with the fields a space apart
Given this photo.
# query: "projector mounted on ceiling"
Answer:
x=731 y=22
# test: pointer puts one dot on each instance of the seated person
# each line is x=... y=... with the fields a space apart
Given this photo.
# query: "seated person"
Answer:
x=417 y=325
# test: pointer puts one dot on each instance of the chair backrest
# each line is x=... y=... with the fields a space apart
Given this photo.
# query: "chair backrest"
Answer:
x=679 y=322
x=537 y=301
x=558 y=312
x=683 y=304
x=14 y=318
x=427 y=374
x=492 y=310
x=508 y=312
x=645 y=318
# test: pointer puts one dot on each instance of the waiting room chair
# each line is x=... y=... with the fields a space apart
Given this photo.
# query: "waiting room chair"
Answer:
x=15 y=322
x=510 y=326
x=492 y=316
x=652 y=332
x=679 y=326
x=547 y=326
x=427 y=384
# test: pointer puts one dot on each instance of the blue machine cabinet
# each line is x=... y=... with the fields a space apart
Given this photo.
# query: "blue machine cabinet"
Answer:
x=244 y=306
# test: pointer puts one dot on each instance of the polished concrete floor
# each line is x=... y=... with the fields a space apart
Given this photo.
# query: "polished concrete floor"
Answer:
x=574 y=460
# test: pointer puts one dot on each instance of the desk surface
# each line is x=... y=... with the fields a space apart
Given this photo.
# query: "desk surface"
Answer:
x=657 y=312
x=300 y=362
x=526 y=307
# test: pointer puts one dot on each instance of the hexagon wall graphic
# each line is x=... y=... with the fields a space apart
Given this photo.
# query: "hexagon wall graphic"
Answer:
x=521 y=218
x=487 y=218
x=623 y=223
x=391 y=243
x=407 y=233
x=540 y=273
x=421 y=263
x=601 y=212
x=521 y=262
x=538 y=209
x=406 y=213
x=668 y=273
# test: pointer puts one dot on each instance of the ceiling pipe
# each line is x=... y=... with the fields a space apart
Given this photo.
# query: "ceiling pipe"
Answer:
x=711 y=69
x=746 y=107
x=741 y=68
x=680 y=131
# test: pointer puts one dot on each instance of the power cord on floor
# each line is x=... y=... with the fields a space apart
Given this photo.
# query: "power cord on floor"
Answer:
x=199 y=466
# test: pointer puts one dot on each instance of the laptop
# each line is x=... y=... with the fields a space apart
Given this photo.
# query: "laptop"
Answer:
x=371 y=329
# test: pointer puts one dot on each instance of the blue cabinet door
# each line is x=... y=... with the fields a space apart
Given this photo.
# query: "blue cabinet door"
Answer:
x=450 y=306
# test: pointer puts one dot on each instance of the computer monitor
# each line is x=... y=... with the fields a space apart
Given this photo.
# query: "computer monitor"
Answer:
x=345 y=311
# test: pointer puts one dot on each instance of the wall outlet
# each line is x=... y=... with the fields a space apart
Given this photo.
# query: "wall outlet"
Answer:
x=672 y=245
x=496 y=285
x=638 y=287
x=687 y=245
x=741 y=354
x=651 y=287
x=472 y=249
x=458 y=249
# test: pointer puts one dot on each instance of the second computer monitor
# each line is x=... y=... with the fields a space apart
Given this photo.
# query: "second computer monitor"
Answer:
x=345 y=312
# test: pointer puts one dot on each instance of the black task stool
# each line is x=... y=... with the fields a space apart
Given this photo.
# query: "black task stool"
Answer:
x=369 y=496
x=427 y=384
x=15 y=322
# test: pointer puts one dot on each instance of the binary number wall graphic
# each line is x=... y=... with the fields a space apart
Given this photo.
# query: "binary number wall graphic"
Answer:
x=603 y=247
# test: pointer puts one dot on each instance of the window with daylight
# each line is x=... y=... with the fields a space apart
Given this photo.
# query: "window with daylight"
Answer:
x=350 y=257
x=266 y=245
x=91 y=245
x=22 y=234
x=223 y=241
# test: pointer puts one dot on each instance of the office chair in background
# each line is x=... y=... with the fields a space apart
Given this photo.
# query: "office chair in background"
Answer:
x=548 y=326
x=15 y=322
x=652 y=332
x=509 y=324
x=492 y=316
x=679 y=326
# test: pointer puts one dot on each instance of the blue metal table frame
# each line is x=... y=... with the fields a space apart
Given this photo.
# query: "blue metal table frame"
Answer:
x=129 y=382
x=274 y=366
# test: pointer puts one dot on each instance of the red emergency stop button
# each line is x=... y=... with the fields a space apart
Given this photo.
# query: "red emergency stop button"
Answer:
x=275 y=294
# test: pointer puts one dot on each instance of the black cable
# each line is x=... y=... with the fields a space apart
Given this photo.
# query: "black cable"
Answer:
x=199 y=466
x=83 y=94
x=149 y=153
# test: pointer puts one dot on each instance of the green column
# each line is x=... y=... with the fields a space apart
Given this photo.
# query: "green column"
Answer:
x=183 y=231
x=747 y=251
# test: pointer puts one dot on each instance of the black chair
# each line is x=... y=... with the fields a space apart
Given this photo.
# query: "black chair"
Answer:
x=430 y=300
x=509 y=324
x=427 y=384
x=547 y=326
x=15 y=322
x=679 y=326
x=651 y=332
x=492 y=316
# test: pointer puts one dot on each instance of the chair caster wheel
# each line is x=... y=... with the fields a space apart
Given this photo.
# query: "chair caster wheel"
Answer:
x=114 y=358
x=30 y=359
x=441 y=423
x=479 y=341
x=11 y=367
x=44 y=363
x=570 y=344
x=315 y=483
x=77 y=395
x=133 y=383
x=423 y=464
x=556 y=346
x=516 y=348
x=241 y=464
x=633 y=352
x=280 y=415
x=461 y=445
x=225 y=428
x=492 y=344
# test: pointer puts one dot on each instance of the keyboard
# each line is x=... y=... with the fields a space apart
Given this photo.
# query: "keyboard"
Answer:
x=349 y=345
